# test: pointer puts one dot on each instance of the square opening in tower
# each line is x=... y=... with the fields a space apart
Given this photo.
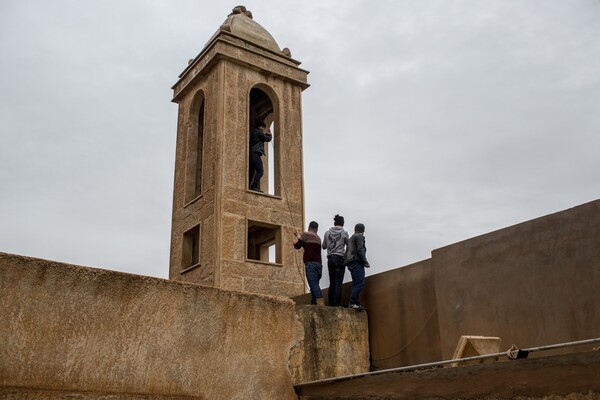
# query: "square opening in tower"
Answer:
x=264 y=242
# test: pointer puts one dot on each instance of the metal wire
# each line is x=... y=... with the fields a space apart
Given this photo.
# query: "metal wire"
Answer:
x=287 y=202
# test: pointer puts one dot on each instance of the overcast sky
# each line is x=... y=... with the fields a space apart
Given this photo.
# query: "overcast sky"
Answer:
x=429 y=121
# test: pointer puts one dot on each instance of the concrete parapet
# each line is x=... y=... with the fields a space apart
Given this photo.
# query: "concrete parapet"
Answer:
x=532 y=284
x=71 y=331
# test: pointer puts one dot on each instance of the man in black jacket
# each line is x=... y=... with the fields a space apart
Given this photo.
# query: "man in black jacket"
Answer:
x=258 y=136
x=356 y=261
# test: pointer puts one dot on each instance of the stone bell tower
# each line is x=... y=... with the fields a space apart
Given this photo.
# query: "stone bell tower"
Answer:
x=223 y=234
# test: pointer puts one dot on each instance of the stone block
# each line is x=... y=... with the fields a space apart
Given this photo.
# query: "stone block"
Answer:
x=471 y=346
x=336 y=343
x=233 y=242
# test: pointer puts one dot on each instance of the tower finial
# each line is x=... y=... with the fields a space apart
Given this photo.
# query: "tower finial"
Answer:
x=241 y=10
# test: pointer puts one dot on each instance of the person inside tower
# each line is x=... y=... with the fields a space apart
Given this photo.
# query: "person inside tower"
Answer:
x=334 y=241
x=356 y=261
x=312 y=260
x=258 y=137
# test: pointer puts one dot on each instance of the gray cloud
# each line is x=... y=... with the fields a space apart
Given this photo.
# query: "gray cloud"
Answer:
x=429 y=121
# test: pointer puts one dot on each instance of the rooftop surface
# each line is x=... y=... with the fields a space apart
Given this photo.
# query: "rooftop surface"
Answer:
x=538 y=377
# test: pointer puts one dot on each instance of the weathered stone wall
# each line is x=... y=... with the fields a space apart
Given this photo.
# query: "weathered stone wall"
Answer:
x=71 y=331
x=336 y=343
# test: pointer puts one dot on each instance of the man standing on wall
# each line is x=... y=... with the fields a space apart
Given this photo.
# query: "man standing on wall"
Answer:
x=312 y=260
x=356 y=261
x=258 y=137
x=334 y=241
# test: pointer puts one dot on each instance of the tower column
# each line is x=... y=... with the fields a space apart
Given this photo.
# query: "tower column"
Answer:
x=224 y=234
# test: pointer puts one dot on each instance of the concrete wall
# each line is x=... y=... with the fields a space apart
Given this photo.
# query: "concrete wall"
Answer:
x=403 y=316
x=532 y=284
x=70 y=331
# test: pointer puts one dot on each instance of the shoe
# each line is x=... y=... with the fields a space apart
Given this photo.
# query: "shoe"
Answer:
x=357 y=307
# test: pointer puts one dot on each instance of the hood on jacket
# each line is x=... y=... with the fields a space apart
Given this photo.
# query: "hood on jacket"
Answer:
x=335 y=232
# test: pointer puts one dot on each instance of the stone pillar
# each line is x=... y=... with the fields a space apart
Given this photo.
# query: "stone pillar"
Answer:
x=336 y=343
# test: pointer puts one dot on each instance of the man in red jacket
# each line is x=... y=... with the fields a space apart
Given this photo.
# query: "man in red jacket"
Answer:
x=312 y=260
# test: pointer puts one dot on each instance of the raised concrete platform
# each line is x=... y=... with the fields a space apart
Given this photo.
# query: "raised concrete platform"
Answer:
x=335 y=343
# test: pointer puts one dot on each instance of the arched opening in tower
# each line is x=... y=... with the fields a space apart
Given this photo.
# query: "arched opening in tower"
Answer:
x=194 y=185
x=263 y=109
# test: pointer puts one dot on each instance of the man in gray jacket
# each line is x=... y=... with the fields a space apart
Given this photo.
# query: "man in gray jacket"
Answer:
x=356 y=261
x=334 y=241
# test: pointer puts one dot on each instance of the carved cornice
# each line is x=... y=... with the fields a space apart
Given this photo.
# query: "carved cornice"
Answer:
x=235 y=49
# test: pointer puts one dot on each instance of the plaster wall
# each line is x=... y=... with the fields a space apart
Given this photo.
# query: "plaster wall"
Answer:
x=403 y=316
x=531 y=284
x=71 y=331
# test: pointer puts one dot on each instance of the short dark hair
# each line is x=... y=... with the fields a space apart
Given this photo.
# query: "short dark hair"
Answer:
x=260 y=124
x=338 y=220
x=313 y=225
x=360 y=228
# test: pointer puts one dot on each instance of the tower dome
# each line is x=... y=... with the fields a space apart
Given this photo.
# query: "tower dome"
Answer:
x=240 y=24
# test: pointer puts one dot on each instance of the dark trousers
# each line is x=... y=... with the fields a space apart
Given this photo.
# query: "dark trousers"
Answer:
x=256 y=170
x=357 y=270
x=335 y=265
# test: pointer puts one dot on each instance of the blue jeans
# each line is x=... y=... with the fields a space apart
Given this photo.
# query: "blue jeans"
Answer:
x=314 y=270
x=357 y=270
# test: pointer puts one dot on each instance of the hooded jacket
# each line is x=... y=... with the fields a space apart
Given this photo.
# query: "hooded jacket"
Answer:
x=356 y=250
x=334 y=241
